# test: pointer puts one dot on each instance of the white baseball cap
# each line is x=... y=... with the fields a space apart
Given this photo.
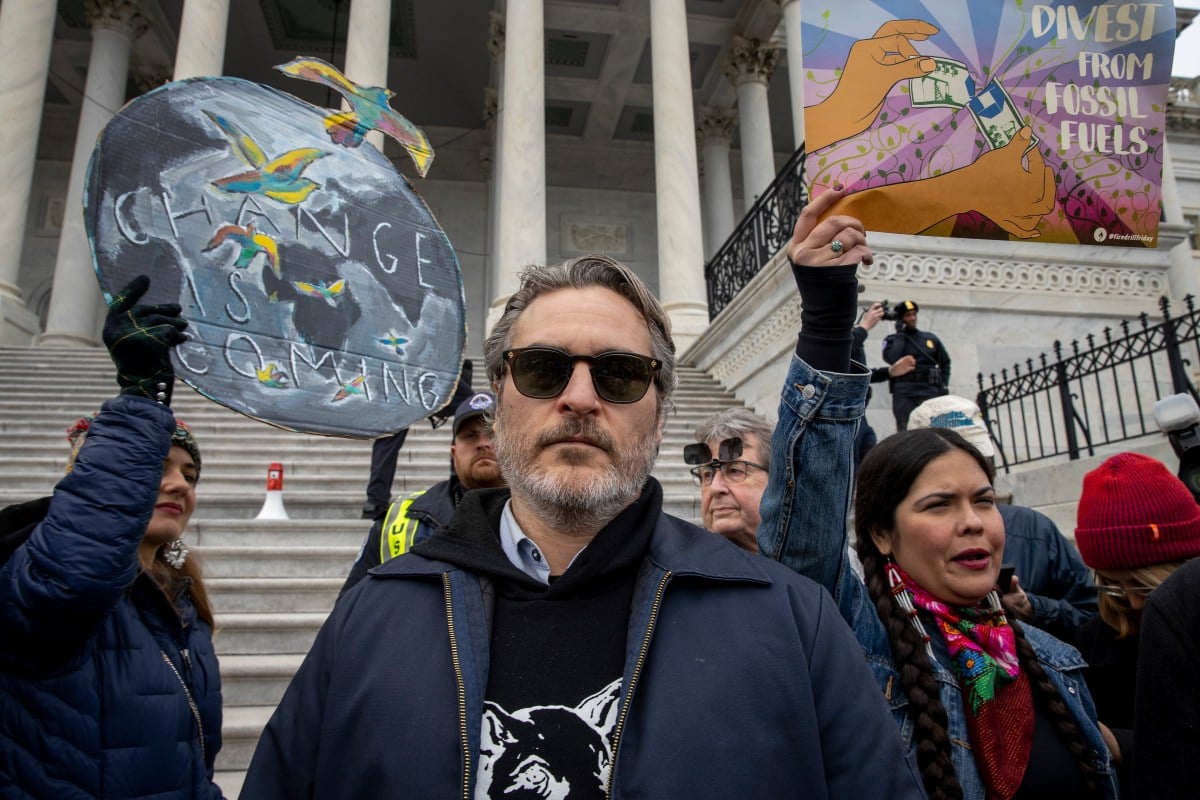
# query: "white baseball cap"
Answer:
x=958 y=414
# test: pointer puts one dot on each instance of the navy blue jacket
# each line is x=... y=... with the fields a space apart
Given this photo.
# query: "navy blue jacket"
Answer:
x=932 y=374
x=741 y=680
x=89 y=708
x=1052 y=573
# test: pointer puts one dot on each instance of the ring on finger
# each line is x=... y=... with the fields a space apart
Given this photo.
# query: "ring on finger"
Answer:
x=836 y=246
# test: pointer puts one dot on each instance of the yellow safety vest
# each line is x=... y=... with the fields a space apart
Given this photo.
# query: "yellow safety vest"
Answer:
x=399 y=529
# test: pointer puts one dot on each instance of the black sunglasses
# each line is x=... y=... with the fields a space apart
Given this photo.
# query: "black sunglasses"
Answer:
x=544 y=372
x=699 y=453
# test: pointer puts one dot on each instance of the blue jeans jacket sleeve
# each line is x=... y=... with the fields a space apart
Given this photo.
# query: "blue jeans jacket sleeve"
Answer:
x=807 y=500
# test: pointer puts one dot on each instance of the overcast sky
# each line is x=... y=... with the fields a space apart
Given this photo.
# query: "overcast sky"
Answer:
x=1187 y=46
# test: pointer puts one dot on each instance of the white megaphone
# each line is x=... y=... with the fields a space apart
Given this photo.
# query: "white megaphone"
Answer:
x=272 y=507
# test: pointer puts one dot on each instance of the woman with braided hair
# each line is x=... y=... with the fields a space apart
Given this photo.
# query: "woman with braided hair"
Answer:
x=994 y=709
x=989 y=710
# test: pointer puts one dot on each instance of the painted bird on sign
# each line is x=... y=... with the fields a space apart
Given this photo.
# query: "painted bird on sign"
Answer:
x=250 y=242
x=369 y=110
x=278 y=178
x=328 y=292
x=394 y=341
x=271 y=376
x=352 y=389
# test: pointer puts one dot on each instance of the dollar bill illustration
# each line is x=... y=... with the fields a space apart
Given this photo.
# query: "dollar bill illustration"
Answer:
x=950 y=85
x=997 y=117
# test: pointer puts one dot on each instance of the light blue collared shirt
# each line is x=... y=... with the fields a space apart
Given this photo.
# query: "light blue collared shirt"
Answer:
x=521 y=550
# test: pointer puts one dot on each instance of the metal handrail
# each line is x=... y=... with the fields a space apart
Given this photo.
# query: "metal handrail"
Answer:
x=1095 y=396
x=758 y=237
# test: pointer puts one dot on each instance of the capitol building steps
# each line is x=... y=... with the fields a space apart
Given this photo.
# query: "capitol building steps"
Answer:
x=271 y=583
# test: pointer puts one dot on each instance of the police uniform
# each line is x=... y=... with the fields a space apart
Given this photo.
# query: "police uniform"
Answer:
x=409 y=520
x=931 y=378
x=413 y=518
x=385 y=451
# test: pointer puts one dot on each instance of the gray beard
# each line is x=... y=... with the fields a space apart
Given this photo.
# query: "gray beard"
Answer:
x=570 y=508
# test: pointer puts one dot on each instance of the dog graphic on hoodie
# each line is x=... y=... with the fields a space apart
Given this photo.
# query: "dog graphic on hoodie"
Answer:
x=548 y=752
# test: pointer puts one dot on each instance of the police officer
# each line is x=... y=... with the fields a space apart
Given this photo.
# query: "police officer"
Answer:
x=414 y=518
x=930 y=378
x=386 y=450
x=866 y=438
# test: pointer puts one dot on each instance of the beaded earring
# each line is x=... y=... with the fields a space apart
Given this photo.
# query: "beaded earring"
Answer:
x=175 y=553
x=903 y=599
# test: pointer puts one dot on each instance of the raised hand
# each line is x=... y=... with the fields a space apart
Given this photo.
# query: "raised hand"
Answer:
x=833 y=241
x=872 y=316
x=872 y=68
x=139 y=338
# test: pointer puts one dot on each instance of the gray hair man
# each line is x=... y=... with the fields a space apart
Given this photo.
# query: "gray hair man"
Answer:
x=565 y=635
x=737 y=443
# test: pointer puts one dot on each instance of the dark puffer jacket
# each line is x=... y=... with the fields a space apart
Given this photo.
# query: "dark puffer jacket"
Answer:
x=93 y=658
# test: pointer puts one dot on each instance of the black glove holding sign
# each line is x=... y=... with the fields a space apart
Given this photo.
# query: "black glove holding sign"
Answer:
x=139 y=338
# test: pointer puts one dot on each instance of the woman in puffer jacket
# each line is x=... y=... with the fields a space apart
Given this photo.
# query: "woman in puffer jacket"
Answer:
x=109 y=685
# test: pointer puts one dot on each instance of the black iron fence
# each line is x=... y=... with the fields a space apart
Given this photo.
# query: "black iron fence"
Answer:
x=759 y=236
x=1090 y=397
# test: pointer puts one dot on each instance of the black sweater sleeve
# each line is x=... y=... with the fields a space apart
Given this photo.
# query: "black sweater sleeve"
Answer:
x=829 y=296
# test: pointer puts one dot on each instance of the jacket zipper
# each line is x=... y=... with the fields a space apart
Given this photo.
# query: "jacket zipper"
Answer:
x=462 y=690
x=190 y=701
x=633 y=680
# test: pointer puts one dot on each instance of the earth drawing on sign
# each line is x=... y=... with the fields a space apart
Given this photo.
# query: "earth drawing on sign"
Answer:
x=321 y=293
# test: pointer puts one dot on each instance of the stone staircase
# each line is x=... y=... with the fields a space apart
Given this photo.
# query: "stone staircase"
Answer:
x=271 y=583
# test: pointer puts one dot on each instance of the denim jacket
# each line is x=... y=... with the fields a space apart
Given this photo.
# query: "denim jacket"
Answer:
x=798 y=529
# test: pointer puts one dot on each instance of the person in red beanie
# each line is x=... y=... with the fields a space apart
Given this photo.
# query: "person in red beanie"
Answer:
x=1137 y=524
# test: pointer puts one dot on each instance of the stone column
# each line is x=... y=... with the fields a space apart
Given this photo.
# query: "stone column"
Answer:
x=26 y=34
x=749 y=69
x=201 y=49
x=795 y=65
x=521 y=230
x=677 y=183
x=715 y=129
x=488 y=157
x=73 y=298
x=367 y=49
x=492 y=116
x=1182 y=276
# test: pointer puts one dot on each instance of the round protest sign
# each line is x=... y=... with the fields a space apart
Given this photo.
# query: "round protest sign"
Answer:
x=322 y=295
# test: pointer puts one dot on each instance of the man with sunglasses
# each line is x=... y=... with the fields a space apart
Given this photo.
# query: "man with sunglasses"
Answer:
x=732 y=481
x=565 y=637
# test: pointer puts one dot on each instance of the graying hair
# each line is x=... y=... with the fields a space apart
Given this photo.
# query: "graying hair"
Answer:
x=583 y=273
x=738 y=422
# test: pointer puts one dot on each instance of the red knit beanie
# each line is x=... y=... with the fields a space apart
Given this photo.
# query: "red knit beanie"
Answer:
x=1133 y=512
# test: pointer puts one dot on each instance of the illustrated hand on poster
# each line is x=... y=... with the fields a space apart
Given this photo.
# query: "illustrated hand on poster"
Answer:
x=873 y=67
x=1010 y=186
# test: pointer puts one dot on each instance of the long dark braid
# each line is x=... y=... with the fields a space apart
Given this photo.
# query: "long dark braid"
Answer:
x=930 y=722
x=884 y=479
x=1046 y=695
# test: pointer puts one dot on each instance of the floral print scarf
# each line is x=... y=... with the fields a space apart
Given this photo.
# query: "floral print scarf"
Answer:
x=996 y=693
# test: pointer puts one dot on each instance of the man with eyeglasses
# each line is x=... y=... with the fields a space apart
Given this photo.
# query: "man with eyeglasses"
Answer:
x=565 y=637
x=731 y=457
